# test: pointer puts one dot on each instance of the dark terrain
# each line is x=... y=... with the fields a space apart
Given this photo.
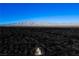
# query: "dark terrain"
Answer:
x=20 y=41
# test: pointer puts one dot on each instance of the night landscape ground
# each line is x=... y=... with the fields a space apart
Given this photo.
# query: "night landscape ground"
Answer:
x=55 y=41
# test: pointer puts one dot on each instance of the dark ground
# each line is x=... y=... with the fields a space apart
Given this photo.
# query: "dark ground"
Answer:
x=20 y=41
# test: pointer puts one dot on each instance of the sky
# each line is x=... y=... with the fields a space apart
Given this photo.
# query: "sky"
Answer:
x=39 y=12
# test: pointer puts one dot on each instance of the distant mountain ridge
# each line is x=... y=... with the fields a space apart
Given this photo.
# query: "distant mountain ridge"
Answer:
x=31 y=23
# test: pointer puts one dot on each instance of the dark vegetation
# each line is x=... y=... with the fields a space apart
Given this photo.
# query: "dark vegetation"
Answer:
x=20 y=41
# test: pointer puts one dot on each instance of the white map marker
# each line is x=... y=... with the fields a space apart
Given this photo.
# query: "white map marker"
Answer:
x=38 y=51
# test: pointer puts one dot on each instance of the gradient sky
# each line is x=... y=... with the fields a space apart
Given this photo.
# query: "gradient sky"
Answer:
x=50 y=12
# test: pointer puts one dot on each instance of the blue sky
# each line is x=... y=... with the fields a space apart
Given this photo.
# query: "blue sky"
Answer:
x=50 y=12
